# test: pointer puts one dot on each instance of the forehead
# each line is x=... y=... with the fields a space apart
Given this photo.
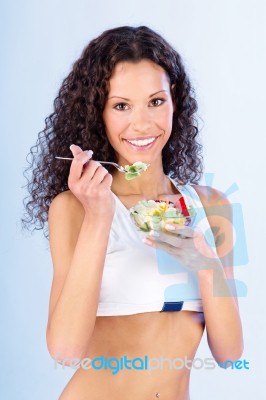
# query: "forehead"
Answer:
x=144 y=74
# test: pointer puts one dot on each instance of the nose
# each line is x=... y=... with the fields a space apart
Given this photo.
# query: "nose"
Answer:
x=141 y=121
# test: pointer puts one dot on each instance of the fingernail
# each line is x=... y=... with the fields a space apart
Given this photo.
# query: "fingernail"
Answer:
x=71 y=146
x=170 y=227
x=147 y=241
x=90 y=153
x=154 y=233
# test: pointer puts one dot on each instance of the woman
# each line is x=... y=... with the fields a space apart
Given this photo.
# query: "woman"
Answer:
x=129 y=99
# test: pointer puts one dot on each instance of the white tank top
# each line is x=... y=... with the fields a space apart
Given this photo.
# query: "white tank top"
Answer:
x=138 y=278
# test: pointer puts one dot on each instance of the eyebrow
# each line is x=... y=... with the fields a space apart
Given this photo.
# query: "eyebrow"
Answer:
x=124 y=98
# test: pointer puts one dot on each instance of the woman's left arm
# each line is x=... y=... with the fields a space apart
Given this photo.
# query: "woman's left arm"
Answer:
x=223 y=324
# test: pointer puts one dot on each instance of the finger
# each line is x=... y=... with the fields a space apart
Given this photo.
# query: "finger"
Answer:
x=78 y=153
x=90 y=170
x=77 y=165
x=108 y=180
x=184 y=230
x=75 y=149
x=99 y=176
x=173 y=240
x=164 y=247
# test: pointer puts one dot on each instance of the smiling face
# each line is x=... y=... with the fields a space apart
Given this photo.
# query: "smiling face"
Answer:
x=138 y=112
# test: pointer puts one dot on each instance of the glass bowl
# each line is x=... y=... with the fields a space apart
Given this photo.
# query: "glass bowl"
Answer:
x=155 y=214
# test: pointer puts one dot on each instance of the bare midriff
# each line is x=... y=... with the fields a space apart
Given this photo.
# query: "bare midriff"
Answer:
x=154 y=335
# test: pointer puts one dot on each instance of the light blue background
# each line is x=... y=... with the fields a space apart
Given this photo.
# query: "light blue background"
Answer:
x=222 y=43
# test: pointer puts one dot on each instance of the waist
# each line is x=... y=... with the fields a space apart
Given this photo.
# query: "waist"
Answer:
x=155 y=334
x=165 y=339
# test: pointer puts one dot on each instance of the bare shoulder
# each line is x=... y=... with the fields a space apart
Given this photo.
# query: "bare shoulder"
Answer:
x=216 y=206
x=218 y=210
x=65 y=216
x=63 y=201
x=210 y=196
x=65 y=205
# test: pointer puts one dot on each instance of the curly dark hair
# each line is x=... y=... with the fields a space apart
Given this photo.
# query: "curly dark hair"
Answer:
x=77 y=116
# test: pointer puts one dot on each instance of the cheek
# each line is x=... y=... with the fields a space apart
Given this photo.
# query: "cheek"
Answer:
x=164 y=119
x=164 y=113
x=114 y=126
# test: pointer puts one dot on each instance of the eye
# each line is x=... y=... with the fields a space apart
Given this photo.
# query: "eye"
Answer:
x=121 y=106
x=157 y=102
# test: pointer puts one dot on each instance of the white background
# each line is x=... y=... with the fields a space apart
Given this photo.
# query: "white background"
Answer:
x=223 y=46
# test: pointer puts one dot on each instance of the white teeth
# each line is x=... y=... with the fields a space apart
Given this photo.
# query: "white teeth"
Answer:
x=141 y=142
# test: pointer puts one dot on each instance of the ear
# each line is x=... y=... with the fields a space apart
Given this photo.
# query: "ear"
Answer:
x=173 y=97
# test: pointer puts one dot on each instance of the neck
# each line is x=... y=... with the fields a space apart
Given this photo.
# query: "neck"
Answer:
x=150 y=184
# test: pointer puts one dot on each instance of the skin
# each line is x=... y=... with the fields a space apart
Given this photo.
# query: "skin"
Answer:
x=79 y=223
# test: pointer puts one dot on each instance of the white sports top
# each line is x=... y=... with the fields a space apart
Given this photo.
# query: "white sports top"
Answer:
x=138 y=278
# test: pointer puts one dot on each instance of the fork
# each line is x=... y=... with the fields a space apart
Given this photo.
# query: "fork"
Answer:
x=119 y=167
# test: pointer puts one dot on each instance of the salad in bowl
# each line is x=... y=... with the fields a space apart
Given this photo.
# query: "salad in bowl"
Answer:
x=155 y=214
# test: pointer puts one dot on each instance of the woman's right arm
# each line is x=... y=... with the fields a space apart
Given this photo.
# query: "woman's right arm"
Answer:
x=79 y=227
